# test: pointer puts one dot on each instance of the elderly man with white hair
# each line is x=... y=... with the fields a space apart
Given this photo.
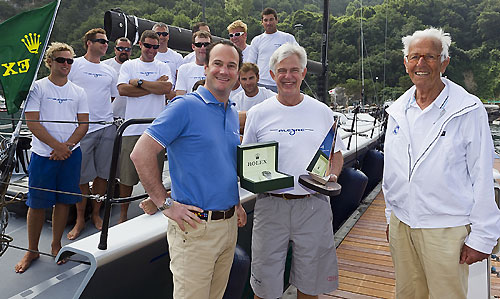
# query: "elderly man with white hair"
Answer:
x=297 y=215
x=438 y=182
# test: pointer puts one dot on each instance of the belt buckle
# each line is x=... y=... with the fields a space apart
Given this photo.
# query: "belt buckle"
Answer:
x=284 y=196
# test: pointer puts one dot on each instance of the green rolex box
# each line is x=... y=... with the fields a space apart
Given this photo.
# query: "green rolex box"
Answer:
x=258 y=168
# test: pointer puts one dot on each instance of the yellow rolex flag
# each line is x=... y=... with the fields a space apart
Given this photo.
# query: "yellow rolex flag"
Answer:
x=22 y=44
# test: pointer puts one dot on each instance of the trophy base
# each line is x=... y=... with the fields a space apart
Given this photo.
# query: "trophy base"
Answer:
x=330 y=188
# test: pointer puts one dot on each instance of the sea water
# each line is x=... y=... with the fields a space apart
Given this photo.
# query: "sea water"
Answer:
x=495 y=133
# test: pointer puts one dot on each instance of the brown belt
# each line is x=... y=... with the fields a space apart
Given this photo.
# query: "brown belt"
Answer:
x=217 y=215
x=288 y=196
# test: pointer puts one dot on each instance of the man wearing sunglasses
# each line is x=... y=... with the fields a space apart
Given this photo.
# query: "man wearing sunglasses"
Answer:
x=166 y=55
x=199 y=26
x=123 y=50
x=264 y=45
x=190 y=73
x=56 y=156
x=99 y=82
x=145 y=82
x=238 y=35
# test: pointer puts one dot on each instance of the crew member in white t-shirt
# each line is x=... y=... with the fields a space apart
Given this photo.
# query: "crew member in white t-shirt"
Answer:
x=166 y=55
x=199 y=26
x=252 y=94
x=299 y=123
x=123 y=50
x=99 y=82
x=56 y=156
x=145 y=81
x=190 y=73
x=264 y=45
x=238 y=35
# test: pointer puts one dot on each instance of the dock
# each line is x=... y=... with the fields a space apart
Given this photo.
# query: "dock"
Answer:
x=365 y=264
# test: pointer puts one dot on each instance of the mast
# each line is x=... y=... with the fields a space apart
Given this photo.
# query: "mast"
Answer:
x=362 y=54
x=323 y=80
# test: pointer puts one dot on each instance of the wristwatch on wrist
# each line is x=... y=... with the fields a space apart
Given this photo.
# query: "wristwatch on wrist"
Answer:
x=169 y=202
x=139 y=83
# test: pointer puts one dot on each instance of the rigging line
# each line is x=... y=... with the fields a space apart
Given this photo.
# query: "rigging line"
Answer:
x=63 y=121
x=47 y=254
x=312 y=91
x=91 y=196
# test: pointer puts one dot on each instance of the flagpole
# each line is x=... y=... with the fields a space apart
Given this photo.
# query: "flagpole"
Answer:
x=7 y=172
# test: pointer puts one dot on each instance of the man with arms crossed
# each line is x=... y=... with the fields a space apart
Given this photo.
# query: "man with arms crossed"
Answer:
x=145 y=81
x=202 y=160
x=166 y=55
x=438 y=181
x=264 y=45
x=296 y=214
x=191 y=72
x=56 y=156
x=99 y=82
x=123 y=50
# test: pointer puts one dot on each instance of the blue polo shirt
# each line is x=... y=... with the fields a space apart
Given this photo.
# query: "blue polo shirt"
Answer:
x=201 y=138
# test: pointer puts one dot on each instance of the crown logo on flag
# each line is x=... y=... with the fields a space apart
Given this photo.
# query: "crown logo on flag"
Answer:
x=32 y=42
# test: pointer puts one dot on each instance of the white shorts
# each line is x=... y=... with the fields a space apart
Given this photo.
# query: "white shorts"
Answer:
x=307 y=224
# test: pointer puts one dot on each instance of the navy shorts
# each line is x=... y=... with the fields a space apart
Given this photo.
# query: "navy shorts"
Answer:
x=54 y=175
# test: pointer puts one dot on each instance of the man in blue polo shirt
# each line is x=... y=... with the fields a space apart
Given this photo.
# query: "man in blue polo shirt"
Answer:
x=200 y=131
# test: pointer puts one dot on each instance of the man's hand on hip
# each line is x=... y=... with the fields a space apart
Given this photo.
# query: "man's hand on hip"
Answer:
x=470 y=256
x=180 y=212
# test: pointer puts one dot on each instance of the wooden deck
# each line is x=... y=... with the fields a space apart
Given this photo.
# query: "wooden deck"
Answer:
x=365 y=265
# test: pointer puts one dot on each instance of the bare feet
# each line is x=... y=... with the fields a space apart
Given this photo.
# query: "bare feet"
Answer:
x=77 y=229
x=25 y=262
x=55 y=251
x=97 y=221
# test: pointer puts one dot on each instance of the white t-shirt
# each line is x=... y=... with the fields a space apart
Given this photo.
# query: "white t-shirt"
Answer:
x=99 y=82
x=56 y=103
x=189 y=58
x=174 y=61
x=262 y=47
x=119 y=103
x=299 y=130
x=150 y=105
x=246 y=53
x=188 y=75
x=244 y=103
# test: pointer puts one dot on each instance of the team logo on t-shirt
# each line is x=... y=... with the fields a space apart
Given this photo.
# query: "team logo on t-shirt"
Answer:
x=147 y=73
x=291 y=131
x=95 y=75
x=59 y=100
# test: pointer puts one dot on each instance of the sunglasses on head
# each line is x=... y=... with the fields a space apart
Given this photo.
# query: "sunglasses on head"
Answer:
x=100 y=40
x=199 y=45
x=149 y=46
x=162 y=33
x=121 y=49
x=62 y=60
x=236 y=34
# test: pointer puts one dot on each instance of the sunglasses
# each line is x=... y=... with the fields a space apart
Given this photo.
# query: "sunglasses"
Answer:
x=162 y=33
x=236 y=34
x=100 y=40
x=63 y=60
x=199 y=45
x=121 y=49
x=149 y=46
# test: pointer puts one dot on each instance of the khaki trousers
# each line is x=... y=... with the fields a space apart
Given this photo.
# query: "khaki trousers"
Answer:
x=201 y=257
x=426 y=261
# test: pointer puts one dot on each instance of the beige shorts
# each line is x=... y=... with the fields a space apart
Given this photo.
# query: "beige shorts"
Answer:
x=128 y=173
x=307 y=224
